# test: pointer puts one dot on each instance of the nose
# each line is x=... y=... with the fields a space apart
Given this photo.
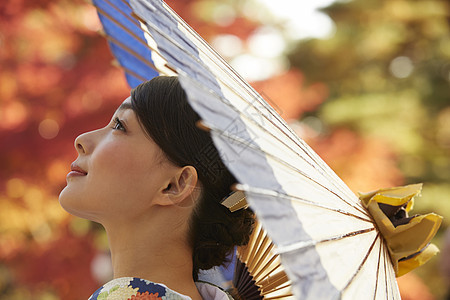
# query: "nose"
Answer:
x=85 y=143
x=80 y=143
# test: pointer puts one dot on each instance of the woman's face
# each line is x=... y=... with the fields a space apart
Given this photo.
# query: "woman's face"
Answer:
x=118 y=171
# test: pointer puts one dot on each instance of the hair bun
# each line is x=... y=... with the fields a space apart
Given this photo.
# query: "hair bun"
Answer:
x=217 y=232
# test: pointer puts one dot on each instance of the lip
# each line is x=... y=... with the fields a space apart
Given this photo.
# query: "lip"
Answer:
x=75 y=170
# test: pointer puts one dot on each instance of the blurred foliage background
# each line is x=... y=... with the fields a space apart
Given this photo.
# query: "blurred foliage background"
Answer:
x=371 y=97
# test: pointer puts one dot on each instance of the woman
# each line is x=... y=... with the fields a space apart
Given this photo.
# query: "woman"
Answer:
x=155 y=182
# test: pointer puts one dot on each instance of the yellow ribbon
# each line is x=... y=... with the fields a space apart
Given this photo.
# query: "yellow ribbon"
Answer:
x=408 y=238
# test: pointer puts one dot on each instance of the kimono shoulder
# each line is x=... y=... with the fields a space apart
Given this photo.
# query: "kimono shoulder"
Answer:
x=126 y=288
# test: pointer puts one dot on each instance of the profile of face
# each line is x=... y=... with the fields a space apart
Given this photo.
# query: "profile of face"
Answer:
x=148 y=170
x=119 y=170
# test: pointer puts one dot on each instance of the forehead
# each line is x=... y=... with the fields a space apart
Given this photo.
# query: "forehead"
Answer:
x=126 y=104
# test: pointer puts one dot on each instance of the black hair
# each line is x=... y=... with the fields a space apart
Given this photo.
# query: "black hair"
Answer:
x=162 y=109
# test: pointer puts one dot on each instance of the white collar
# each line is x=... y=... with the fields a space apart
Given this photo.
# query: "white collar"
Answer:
x=211 y=292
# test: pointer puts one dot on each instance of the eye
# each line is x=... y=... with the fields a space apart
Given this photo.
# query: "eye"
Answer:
x=118 y=125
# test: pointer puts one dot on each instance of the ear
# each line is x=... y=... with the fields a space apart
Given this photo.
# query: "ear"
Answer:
x=181 y=189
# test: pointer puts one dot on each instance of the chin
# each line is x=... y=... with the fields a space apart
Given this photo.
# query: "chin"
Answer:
x=73 y=205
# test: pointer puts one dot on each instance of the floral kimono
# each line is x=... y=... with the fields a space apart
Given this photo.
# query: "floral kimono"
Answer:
x=131 y=288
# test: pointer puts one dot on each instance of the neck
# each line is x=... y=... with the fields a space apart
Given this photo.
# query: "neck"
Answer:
x=153 y=248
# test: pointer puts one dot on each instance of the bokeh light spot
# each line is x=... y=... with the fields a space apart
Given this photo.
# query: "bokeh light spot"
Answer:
x=13 y=115
x=32 y=197
x=91 y=100
x=227 y=44
x=258 y=68
x=48 y=129
x=301 y=19
x=79 y=227
x=90 y=19
x=15 y=188
x=401 y=67
x=101 y=267
x=315 y=124
x=42 y=232
x=267 y=42
x=8 y=84
x=57 y=171
x=224 y=15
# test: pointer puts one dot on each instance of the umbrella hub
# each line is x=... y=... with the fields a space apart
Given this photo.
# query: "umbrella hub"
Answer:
x=408 y=238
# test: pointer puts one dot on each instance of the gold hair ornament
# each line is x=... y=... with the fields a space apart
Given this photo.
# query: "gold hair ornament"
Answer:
x=408 y=238
x=235 y=201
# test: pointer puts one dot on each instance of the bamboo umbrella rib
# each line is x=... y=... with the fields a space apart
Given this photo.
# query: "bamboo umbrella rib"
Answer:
x=264 y=192
x=131 y=72
x=269 y=268
x=272 y=282
x=287 y=295
x=129 y=50
x=285 y=285
x=248 y=257
x=259 y=254
x=274 y=266
x=260 y=262
x=378 y=268
x=305 y=244
x=244 y=251
x=127 y=70
x=385 y=277
x=249 y=250
x=128 y=17
x=388 y=266
x=268 y=271
x=362 y=263
x=257 y=241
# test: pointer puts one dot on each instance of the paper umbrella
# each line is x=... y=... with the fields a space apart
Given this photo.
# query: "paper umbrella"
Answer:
x=327 y=244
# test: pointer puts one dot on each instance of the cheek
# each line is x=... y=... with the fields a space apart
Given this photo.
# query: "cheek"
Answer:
x=113 y=160
x=123 y=169
x=126 y=175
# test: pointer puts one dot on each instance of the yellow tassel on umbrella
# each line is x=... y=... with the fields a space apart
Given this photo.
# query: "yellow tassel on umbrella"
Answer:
x=408 y=238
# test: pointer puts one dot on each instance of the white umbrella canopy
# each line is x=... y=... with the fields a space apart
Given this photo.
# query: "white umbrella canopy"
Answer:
x=328 y=242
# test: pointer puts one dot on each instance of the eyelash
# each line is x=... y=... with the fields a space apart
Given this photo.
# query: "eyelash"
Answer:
x=118 y=125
